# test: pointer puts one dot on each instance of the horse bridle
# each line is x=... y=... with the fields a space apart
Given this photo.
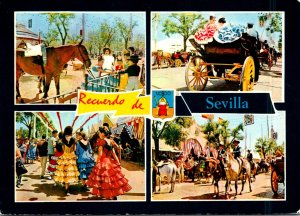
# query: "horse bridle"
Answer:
x=85 y=60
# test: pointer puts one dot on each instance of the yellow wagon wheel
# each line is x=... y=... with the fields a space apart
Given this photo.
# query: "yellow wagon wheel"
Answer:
x=178 y=62
x=248 y=75
x=196 y=74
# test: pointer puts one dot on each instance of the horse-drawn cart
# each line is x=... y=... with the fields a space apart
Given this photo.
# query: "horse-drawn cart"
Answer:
x=235 y=61
x=277 y=174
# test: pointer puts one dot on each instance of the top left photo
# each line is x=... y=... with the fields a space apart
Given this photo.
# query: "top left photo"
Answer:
x=58 y=53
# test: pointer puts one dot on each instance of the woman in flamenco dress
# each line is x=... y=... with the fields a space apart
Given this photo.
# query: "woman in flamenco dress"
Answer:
x=206 y=35
x=106 y=178
x=66 y=169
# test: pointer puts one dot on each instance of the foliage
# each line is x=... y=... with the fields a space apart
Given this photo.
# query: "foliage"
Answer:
x=265 y=146
x=50 y=38
x=170 y=131
x=125 y=30
x=215 y=132
x=74 y=39
x=272 y=23
x=185 y=24
x=61 y=21
x=173 y=134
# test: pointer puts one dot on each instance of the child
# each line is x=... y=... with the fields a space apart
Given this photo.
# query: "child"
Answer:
x=85 y=160
x=119 y=65
x=108 y=63
x=66 y=169
x=133 y=72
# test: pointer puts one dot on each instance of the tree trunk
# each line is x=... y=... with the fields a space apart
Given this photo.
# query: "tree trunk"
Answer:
x=126 y=43
x=29 y=132
x=156 y=145
x=184 y=44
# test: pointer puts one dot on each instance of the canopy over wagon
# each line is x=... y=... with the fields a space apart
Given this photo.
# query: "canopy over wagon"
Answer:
x=233 y=61
x=192 y=146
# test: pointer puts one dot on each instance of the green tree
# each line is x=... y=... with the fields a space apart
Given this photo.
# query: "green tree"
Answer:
x=139 y=41
x=61 y=21
x=172 y=131
x=25 y=118
x=215 y=132
x=74 y=39
x=126 y=30
x=173 y=134
x=265 y=146
x=185 y=24
x=50 y=38
x=272 y=23
x=105 y=35
x=236 y=132
x=157 y=130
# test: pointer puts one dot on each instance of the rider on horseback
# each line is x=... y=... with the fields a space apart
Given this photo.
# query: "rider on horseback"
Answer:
x=222 y=157
x=237 y=152
x=250 y=159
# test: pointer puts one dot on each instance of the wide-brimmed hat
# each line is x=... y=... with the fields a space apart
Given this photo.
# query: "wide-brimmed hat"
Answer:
x=236 y=141
x=134 y=58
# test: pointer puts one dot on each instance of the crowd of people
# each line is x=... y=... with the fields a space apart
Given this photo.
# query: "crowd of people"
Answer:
x=125 y=62
x=93 y=163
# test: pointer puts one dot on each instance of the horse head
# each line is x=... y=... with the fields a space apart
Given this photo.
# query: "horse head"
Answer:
x=82 y=54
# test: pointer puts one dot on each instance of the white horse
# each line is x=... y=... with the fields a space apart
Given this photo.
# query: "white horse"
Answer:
x=235 y=171
x=167 y=172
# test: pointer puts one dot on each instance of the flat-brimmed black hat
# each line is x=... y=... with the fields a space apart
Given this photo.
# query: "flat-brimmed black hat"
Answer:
x=236 y=141
x=134 y=58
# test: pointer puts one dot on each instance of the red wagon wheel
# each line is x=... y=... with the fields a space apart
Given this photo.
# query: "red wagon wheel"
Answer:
x=274 y=181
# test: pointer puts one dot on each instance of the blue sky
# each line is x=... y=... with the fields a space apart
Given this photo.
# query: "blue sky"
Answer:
x=256 y=130
x=234 y=18
x=92 y=21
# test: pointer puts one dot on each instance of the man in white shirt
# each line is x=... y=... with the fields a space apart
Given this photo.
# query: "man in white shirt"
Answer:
x=252 y=32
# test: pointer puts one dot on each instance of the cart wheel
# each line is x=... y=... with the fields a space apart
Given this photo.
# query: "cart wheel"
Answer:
x=248 y=74
x=274 y=181
x=178 y=62
x=196 y=74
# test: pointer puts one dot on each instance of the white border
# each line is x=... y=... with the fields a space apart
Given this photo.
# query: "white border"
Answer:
x=235 y=200
x=76 y=12
x=78 y=201
x=237 y=12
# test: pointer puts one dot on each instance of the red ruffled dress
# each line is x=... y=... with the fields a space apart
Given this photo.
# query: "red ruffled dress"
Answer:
x=106 y=178
x=206 y=34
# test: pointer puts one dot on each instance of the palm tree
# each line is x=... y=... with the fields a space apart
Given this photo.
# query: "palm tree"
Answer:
x=261 y=146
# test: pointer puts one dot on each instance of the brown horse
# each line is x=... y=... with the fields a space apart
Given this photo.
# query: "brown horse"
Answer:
x=161 y=56
x=57 y=57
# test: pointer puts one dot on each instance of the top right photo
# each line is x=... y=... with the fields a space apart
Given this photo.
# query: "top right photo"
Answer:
x=218 y=51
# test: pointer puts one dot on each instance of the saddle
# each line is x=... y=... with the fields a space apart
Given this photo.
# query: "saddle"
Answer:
x=38 y=51
x=162 y=163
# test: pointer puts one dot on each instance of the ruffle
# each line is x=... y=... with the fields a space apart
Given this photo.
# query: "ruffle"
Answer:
x=107 y=180
x=66 y=169
x=110 y=193
x=85 y=165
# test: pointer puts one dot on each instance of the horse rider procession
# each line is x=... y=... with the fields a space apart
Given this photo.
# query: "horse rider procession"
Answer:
x=216 y=164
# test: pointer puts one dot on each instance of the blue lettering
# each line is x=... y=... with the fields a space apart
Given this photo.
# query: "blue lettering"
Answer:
x=210 y=103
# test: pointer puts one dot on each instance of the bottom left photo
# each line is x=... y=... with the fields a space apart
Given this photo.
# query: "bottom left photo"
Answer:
x=93 y=157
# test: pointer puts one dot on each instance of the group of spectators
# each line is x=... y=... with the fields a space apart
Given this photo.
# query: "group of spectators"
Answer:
x=125 y=62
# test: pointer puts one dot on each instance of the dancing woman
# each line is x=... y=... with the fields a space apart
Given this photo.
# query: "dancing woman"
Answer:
x=106 y=178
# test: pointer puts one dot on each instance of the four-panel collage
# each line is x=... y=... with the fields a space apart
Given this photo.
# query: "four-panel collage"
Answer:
x=104 y=151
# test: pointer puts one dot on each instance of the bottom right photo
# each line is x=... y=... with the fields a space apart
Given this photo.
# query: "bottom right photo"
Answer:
x=219 y=157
